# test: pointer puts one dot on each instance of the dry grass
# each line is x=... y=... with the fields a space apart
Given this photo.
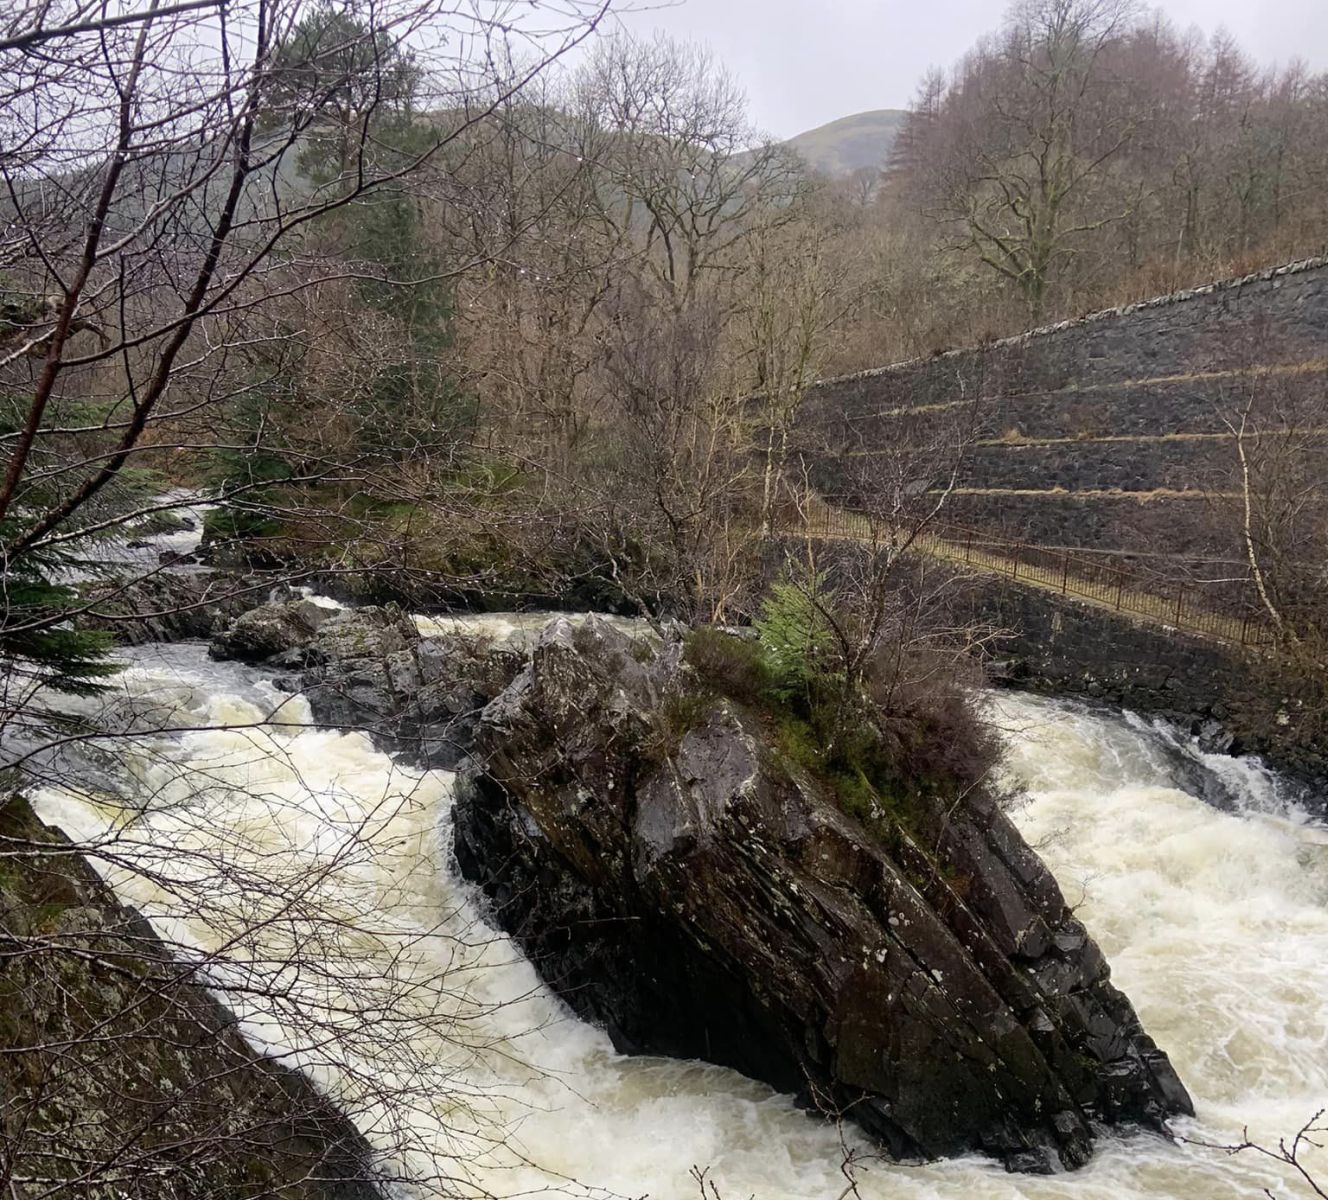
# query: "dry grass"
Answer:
x=1051 y=570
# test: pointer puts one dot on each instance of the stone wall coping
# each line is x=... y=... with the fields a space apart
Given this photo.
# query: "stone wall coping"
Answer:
x=1300 y=266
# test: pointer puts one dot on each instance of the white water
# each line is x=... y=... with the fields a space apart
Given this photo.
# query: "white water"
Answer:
x=1216 y=925
x=116 y=554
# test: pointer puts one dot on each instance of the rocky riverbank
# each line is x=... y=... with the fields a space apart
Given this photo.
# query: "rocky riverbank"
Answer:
x=682 y=883
x=1234 y=701
x=120 y=1074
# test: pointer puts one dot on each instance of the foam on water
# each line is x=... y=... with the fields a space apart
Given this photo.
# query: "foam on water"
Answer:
x=128 y=551
x=1216 y=924
x=514 y=628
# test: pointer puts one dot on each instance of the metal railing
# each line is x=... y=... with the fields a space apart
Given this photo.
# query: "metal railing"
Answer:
x=1149 y=596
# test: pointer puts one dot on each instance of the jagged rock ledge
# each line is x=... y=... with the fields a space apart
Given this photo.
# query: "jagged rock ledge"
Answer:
x=369 y=669
x=703 y=898
x=172 y=606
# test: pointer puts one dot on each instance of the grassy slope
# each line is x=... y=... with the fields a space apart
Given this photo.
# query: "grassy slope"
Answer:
x=850 y=143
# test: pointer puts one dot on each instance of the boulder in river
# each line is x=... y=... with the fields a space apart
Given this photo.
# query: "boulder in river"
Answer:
x=683 y=884
x=278 y=627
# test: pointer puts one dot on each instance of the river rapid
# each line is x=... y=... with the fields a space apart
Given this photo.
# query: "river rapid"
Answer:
x=310 y=875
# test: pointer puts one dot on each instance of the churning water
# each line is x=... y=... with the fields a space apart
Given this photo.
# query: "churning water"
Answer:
x=310 y=875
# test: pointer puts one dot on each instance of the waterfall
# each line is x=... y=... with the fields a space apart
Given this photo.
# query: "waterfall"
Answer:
x=451 y=1056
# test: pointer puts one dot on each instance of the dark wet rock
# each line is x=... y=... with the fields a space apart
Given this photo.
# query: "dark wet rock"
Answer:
x=117 y=1068
x=369 y=669
x=421 y=697
x=271 y=629
x=1213 y=738
x=169 y=606
x=1181 y=742
x=296 y=658
x=698 y=896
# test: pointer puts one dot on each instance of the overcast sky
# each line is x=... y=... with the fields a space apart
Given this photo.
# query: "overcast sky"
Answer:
x=805 y=62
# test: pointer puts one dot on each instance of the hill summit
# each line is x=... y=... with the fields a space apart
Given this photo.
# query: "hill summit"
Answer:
x=851 y=143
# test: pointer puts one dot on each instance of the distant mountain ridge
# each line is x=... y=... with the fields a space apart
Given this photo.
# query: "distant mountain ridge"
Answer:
x=850 y=143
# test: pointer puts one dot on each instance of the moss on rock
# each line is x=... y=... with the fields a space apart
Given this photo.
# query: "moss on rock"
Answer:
x=120 y=1076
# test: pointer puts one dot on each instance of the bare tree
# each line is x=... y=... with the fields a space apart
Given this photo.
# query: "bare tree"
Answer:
x=1042 y=118
x=692 y=178
x=1270 y=490
x=795 y=292
x=153 y=196
x=1292 y=1152
x=626 y=320
x=868 y=505
x=189 y=194
x=1087 y=154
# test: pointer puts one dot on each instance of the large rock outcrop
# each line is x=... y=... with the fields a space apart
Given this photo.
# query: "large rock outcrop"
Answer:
x=701 y=897
x=168 y=605
x=121 y=1076
x=369 y=669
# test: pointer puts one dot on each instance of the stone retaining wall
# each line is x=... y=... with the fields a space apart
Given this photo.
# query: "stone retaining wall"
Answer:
x=1055 y=405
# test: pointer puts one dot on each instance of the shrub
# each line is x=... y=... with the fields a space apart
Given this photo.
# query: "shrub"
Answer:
x=796 y=638
x=677 y=714
x=857 y=770
x=730 y=665
x=929 y=730
x=896 y=747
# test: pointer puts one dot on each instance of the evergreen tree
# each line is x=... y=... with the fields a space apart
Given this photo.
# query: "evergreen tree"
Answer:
x=345 y=85
x=37 y=643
